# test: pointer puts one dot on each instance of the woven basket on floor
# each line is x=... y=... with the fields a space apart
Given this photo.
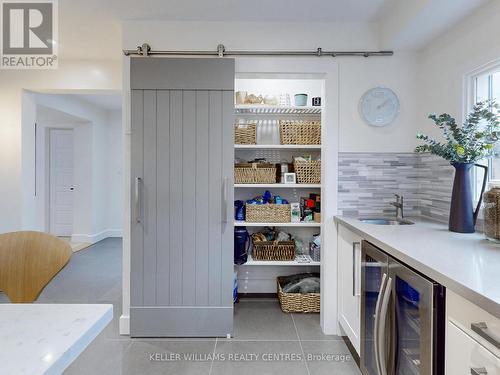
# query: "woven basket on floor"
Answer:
x=293 y=132
x=268 y=213
x=307 y=172
x=273 y=250
x=245 y=134
x=297 y=302
x=254 y=173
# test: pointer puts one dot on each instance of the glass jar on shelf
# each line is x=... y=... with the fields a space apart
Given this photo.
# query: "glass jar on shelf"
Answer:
x=491 y=212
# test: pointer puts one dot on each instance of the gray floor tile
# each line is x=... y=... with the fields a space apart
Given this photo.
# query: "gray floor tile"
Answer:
x=138 y=359
x=258 y=357
x=329 y=357
x=308 y=328
x=103 y=357
x=262 y=320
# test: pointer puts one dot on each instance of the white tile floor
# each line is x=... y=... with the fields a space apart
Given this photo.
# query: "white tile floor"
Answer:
x=260 y=328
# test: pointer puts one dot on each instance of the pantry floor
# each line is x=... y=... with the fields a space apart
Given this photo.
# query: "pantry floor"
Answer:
x=266 y=341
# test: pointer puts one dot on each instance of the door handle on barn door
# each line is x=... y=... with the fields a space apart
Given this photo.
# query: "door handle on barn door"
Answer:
x=225 y=182
x=137 y=200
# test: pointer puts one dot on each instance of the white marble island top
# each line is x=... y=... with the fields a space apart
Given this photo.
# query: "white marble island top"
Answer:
x=468 y=264
x=46 y=338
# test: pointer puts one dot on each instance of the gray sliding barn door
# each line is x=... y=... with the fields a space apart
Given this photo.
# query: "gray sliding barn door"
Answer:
x=182 y=174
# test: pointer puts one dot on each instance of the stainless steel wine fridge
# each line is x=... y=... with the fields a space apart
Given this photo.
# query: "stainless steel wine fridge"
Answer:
x=402 y=318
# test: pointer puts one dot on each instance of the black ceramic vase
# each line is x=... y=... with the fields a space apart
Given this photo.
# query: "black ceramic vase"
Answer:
x=462 y=214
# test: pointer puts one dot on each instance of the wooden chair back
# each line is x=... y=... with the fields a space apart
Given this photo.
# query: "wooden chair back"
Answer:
x=28 y=261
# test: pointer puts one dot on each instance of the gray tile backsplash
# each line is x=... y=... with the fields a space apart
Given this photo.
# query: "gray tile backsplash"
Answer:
x=368 y=182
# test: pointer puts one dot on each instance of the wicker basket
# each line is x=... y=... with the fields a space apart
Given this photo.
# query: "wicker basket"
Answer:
x=268 y=213
x=294 y=132
x=273 y=250
x=307 y=172
x=254 y=173
x=245 y=134
x=297 y=302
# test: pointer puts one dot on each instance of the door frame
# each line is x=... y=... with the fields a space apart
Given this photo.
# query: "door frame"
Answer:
x=48 y=185
x=328 y=70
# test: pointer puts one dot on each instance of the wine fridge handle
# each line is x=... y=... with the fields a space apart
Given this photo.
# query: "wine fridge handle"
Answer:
x=383 y=319
x=376 y=323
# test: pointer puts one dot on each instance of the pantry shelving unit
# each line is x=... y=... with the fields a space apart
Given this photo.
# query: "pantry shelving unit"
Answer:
x=302 y=224
x=277 y=147
x=263 y=109
x=294 y=263
x=257 y=276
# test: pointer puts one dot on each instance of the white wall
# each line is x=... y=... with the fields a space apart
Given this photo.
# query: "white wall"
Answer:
x=98 y=164
x=115 y=185
x=84 y=75
x=444 y=63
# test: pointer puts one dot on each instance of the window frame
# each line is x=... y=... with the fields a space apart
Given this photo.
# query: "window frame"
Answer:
x=470 y=99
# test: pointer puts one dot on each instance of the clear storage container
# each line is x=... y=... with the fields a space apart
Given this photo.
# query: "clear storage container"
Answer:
x=491 y=211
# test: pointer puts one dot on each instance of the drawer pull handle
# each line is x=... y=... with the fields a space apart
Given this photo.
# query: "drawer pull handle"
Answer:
x=481 y=329
x=478 y=371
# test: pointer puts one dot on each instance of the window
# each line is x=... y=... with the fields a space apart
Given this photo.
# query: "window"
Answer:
x=483 y=85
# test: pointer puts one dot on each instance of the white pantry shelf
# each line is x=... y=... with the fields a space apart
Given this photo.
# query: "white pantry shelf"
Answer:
x=263 y=109
x=277 y=147
x=279 y=186
x=251 y=262
x=311 y=224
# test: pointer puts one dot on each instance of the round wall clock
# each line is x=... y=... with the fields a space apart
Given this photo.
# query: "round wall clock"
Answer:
x=379 y=106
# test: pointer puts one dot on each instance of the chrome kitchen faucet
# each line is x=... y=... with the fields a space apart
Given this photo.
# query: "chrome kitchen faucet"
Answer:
x=399 y=204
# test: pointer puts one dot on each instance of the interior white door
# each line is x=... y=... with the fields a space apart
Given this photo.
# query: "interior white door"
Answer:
x=61 y=182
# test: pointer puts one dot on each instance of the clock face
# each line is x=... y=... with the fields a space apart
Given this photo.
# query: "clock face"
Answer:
x=379 y=106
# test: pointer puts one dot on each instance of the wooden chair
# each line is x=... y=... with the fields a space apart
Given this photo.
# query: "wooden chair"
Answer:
x=28 y=261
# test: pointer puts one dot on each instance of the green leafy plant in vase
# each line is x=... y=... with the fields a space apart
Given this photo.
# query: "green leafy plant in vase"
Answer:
x=463 y=146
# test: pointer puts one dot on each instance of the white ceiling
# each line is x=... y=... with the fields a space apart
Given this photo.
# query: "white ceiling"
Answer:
x=106 y=102
x=46 y=115
x=92 y=28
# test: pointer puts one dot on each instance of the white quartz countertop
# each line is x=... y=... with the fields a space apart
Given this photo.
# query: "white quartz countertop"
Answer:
x=468 y=264
x=46 y=338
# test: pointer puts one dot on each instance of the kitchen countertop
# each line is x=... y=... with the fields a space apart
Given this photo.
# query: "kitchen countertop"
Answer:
x=467 y=264
x=47 y=338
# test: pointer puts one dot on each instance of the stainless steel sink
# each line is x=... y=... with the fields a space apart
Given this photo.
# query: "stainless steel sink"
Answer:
x=385 y=221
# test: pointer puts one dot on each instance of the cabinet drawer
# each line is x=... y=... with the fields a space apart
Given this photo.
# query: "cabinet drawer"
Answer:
x=479 y=324
x=465 y=356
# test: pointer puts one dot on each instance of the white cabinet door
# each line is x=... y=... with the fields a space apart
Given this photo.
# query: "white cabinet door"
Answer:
x=465 y=356
x=349 y=293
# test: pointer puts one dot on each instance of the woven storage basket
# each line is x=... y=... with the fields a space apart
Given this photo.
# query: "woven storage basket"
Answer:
x=273 y=250
x=293 y=132
x=254 y=173
x=297 y=302
x=307 y=172
x=268 y=213
x=245 y=134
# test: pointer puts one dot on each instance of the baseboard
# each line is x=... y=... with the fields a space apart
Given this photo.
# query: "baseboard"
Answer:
x=96 y=237
x=124 y=325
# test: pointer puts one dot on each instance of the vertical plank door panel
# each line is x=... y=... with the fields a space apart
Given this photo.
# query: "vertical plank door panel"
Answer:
x=136 y=165
x=163 y=198
x=215 y=203
x=188 y=197
x=202 y=197
x=149 y=198
x=176 y=188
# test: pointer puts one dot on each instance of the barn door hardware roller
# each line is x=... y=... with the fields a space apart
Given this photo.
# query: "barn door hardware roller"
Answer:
x=145 y=50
